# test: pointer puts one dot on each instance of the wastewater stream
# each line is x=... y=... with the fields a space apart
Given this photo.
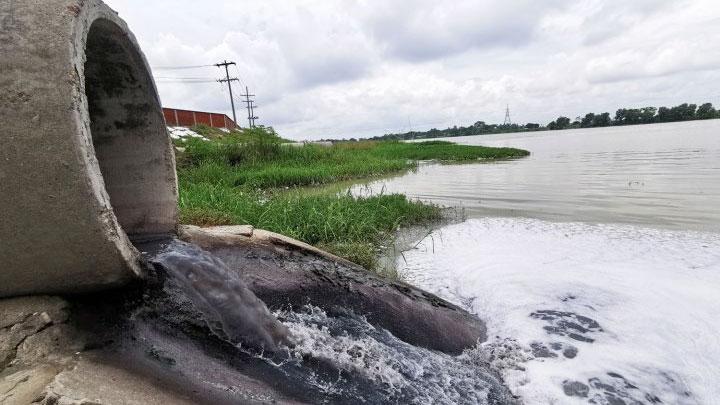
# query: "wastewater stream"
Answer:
x=342 y=358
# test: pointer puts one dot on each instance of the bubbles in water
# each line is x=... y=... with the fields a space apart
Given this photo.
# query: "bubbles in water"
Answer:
x=402 y=372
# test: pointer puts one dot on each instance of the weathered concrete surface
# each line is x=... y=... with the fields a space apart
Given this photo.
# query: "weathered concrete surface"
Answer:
x=85 y=158
x=282 y=271
x=35 y=344
x=118 y=348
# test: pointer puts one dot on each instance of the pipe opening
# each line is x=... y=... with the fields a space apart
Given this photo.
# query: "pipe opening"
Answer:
x=129 y=133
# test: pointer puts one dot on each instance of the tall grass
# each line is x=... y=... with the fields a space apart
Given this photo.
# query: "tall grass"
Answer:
x=263 y=162
x=349 y=226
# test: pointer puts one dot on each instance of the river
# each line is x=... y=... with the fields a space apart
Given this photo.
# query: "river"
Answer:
x=595 y=261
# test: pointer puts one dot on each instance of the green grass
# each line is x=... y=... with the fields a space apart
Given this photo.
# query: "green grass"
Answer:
x=243 y=177
x=263 y=162
x=348 y=226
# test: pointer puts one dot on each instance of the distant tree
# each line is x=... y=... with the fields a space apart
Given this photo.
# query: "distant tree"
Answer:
x=706 y=112
x=602 y=120
x=620 y=116
x=684 y=112
x=664 y=115
x=587 y=121
x=623 y=116
x=560 y=123
x=628 y=116
x=647 y=115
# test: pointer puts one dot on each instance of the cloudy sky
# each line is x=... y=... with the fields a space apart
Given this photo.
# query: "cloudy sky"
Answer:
x=324 y=68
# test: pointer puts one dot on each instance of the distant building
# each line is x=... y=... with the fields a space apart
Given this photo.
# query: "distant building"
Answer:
x=189 y=118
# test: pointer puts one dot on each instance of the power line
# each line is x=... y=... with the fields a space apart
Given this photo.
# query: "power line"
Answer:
x=185 y=78
x=229 y=81
x=251 y=107
x=239 y=76
x=187 y=81
x=180 y=67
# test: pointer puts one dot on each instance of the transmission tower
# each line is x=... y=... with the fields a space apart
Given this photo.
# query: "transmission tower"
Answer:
x=229 y=82
x=507 y=120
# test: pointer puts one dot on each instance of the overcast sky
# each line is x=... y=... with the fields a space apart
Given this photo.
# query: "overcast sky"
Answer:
x=337 y=69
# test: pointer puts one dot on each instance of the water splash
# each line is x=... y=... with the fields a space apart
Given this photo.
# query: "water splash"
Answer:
x=343 y=358
x=399 y=372
x=230 y=309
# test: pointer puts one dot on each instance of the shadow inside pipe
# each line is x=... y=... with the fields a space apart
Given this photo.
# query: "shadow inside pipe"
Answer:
x=128 y=132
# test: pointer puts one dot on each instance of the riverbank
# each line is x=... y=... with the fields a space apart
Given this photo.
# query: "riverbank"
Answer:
x=250 y=177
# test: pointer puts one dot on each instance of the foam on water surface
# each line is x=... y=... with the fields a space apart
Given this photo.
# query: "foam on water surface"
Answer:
x=604 y=313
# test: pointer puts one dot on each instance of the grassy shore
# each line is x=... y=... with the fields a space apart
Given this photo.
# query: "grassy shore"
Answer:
x=251 y=177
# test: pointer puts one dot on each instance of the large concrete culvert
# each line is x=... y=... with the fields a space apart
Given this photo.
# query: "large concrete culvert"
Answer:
x=86 y=164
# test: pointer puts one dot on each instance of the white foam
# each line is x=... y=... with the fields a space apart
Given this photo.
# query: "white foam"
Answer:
x=655 y=293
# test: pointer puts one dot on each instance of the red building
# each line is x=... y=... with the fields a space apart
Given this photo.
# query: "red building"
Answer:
x=188 y=118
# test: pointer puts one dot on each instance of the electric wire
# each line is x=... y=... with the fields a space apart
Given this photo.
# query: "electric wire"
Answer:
x=181 y=67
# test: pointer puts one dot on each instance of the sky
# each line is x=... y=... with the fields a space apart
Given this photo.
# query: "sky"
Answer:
x=341 y=68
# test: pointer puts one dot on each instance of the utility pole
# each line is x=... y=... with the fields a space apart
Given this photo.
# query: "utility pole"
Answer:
x=507 y=116
x=249 y=104
x=229 y=81
x=253 y=117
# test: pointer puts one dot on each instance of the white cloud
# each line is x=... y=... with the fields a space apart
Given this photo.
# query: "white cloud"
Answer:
x=337 y=68
x=427 y=29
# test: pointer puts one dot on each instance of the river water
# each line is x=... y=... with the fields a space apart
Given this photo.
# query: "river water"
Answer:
x=598 y=256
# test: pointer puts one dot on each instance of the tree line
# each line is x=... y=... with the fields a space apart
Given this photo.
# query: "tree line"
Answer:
x=623 y=116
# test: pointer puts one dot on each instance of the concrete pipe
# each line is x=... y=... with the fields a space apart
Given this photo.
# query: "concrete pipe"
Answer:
x=86 y=163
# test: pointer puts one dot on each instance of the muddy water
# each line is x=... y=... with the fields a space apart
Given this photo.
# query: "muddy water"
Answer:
x=598 y=256
x=664 y=175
